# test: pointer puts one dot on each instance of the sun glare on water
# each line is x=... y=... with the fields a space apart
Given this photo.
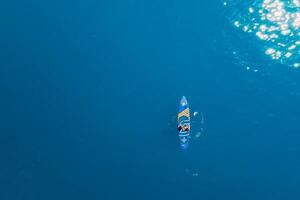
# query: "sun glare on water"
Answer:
x=276 y=23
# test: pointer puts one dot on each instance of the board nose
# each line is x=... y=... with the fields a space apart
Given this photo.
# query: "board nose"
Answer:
x=183 y=101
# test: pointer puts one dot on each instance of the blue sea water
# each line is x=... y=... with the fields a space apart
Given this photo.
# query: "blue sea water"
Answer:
x=90 y=93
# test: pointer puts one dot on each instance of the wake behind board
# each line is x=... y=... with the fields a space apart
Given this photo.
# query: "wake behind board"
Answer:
x=184 y=122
